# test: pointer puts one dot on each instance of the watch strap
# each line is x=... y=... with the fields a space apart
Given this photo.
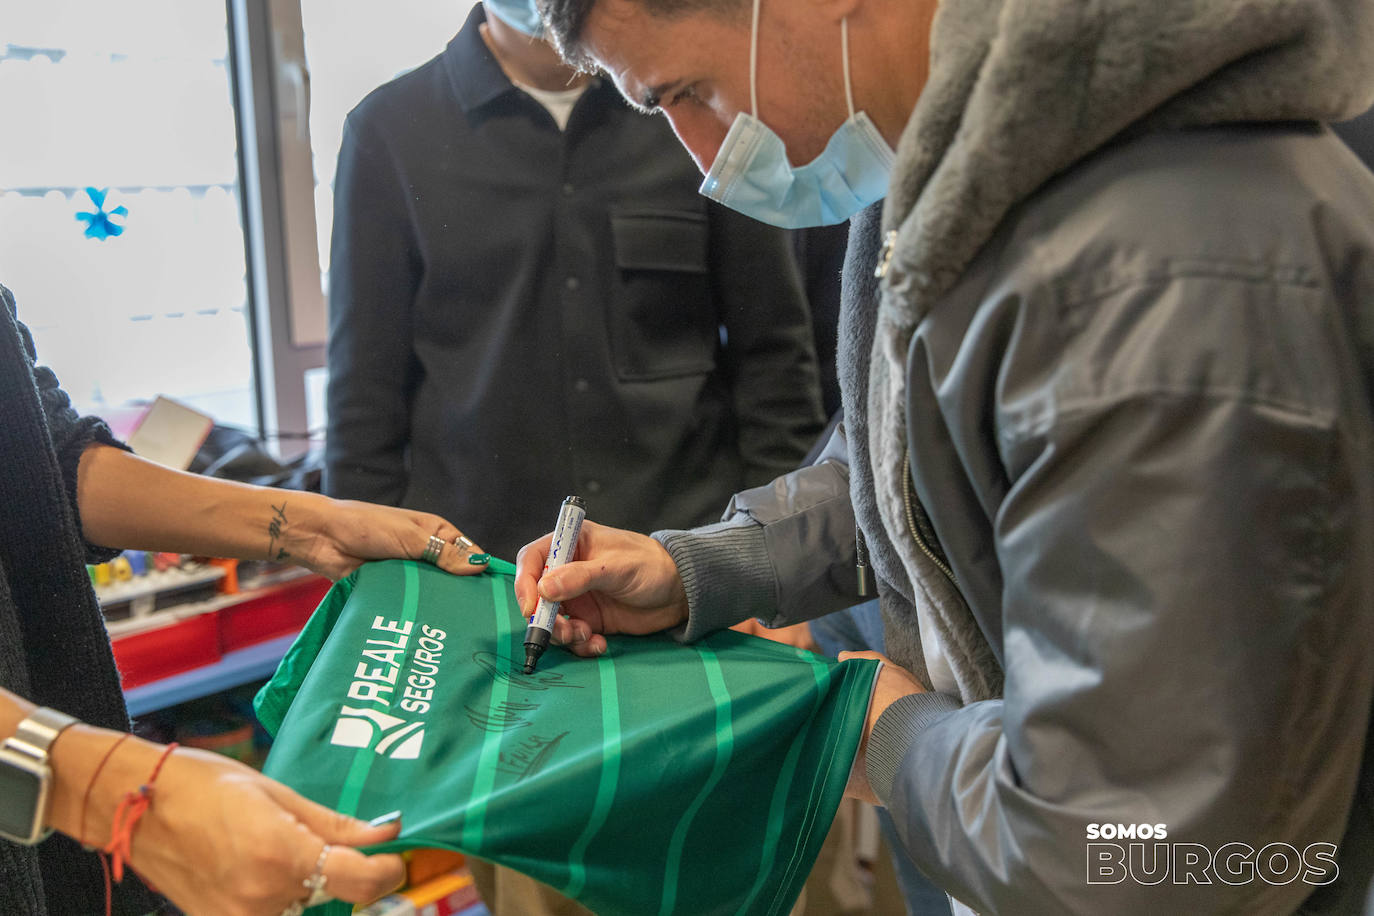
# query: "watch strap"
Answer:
x=27 y=751
x=38 y=731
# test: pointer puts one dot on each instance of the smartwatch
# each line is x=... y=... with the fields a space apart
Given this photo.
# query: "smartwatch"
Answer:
x=26 y=776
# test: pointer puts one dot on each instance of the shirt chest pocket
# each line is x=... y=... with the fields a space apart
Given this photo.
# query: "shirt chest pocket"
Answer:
x=663 y=321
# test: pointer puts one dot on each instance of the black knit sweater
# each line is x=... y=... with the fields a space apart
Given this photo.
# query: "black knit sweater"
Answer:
x=54 y=649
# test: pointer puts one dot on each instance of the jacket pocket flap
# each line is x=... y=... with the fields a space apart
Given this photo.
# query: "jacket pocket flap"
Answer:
x=660 y=240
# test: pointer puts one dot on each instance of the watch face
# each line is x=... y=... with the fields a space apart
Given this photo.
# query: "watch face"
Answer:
x=19 y=791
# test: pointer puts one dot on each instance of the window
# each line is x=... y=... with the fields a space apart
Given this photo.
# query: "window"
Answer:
x=142 y=261
x=120 y=230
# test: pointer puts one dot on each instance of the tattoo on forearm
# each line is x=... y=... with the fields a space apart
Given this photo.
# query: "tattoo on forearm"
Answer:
x=274 y=531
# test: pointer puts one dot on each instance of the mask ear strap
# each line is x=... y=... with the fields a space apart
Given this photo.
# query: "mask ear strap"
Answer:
x=844 y=58
x=754 y=62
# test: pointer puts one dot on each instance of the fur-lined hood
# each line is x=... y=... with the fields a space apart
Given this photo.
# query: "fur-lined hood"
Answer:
x=1020 y=91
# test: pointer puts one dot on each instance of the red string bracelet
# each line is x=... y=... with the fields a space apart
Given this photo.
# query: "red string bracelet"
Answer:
x=86 y=799
x=131 y=807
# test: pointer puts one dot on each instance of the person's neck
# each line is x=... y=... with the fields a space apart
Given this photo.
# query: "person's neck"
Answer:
x=529 y=61
x=891 y=62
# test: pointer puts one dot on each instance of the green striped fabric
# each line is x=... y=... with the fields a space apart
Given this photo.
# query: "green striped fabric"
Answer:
x=660 y=778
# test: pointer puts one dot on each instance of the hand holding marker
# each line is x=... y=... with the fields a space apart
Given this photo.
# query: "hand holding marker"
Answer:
x=570 y=517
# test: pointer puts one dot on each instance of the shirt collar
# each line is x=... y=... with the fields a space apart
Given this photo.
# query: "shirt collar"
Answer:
x=473 y=70
x=476 y=76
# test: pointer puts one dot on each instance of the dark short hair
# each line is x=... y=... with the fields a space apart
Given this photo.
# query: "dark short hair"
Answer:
x=565 y=20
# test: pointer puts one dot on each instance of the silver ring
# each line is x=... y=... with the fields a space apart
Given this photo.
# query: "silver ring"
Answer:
x=317 y=880
x=315 y=885
x=433 y=547
x=462 y=542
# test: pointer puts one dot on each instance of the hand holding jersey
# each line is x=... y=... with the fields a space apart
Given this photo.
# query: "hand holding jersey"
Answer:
x=660 y=778
x=626 y=583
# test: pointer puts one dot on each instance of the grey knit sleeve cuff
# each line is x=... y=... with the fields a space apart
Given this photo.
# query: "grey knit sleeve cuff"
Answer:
x=726 y=573
x=896 y=730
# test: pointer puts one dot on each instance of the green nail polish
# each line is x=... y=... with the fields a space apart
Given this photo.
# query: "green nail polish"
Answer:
x=479 y=559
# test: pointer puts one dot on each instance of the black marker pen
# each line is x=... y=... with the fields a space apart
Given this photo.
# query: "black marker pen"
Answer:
x=565 y=533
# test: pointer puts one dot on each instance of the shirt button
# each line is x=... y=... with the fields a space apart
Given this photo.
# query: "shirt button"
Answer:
x=581 y=386
x=568 y=190
x=571 y=283
x=593 y=486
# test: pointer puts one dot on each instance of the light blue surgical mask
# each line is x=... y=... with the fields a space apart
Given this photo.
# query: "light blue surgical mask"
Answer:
x=751 y=173
x=518 y=14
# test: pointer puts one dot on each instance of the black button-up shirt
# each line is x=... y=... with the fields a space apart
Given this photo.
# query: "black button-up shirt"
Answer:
x=518 y=313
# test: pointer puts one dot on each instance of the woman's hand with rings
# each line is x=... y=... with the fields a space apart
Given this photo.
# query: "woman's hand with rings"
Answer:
x=351 y=532
x=220 y=838
x=315 y=885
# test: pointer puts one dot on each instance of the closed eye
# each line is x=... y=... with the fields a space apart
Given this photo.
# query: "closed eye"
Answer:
x=687 y=93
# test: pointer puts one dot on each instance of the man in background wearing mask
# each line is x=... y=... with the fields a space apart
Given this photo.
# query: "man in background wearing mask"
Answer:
x=514 y=246
x=1107 y=364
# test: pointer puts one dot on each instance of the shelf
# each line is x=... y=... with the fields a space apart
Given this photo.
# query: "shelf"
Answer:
x=203 y=650
x=150 y=585
x=249 y=589
x=241 y=666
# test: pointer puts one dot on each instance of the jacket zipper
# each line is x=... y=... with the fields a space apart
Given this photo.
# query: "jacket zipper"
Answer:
x=865 y=583
x=909 y=498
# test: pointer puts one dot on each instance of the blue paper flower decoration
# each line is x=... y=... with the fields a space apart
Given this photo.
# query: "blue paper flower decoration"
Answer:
x=99 y=224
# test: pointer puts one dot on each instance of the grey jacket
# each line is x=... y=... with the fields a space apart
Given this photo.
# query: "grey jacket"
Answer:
x=1144 y=445
x=1137 y=537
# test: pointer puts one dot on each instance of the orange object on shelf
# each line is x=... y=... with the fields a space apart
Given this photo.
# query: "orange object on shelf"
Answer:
x=423 y=864
x=444 y=895
x=229 y=585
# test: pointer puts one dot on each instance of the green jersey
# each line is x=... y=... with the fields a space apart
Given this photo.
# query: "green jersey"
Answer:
x=659 y=778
